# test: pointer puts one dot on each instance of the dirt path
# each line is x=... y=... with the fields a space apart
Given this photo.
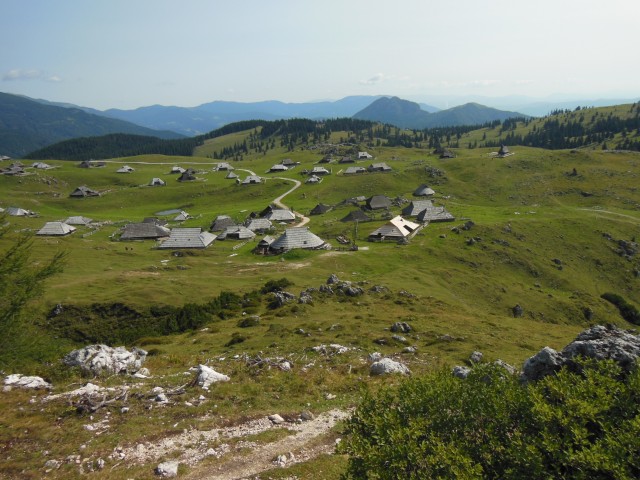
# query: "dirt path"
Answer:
x=231 y=444
x=278 y=201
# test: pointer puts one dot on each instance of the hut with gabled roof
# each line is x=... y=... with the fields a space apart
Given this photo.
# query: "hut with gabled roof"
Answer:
x=84 y=191
x=320 y=208
x=236 y=232
x=78 y=220
x=435 y=214
x=56 y=229
x=144 y=231
x=356 y=216
x=378 y=202
x=297 y=237
x=424 y=191
x=415 y=207
x=397 y=229
x=188 y=238
x=221 y=222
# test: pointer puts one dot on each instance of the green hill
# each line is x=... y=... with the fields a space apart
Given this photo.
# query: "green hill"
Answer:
x=27 y=125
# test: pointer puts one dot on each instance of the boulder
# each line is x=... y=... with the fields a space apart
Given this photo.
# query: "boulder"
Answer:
x=276 y=419
x=475 y=357
x=517 y=311
x=374 y=357
x=400 y=327
x=99 y=359
x=333 y=279
x=207 y=376
x=23 y=381
x=598 y=342
x=386 y=366
x=167 y=469
x=461 y=371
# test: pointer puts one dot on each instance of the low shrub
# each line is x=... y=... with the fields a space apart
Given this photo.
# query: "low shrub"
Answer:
x=628 y=311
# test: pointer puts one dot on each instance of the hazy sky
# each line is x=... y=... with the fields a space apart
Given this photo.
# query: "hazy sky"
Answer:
x=131 y=53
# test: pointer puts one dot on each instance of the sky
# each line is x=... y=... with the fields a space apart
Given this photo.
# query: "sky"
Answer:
x=132 y=53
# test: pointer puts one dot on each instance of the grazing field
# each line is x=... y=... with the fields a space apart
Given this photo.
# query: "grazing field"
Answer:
x=544 y=232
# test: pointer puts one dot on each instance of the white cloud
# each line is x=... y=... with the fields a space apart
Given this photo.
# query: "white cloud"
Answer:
x=19 y=74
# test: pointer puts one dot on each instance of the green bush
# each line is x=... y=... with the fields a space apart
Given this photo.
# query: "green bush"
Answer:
x=627 y=311
x=571 y=425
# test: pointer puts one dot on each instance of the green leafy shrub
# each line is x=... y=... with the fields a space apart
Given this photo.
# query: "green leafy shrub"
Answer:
x=275 y=285
x=571 y=425
x=629 y=312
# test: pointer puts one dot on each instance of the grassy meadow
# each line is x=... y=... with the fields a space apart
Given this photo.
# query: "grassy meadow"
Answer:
x=542 y=238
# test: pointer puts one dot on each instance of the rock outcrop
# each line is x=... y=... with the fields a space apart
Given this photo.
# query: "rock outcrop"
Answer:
x=23 y=381
x=386 y=366
x=599 y=342
x=99 y=359
x=207 y=375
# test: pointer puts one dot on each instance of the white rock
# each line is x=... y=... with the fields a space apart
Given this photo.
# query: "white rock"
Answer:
x=386 y=365
x=374 y=357
x=167 y=469
x=276 y=419
x=22 y=381
x=98 y=359
x=207 y=376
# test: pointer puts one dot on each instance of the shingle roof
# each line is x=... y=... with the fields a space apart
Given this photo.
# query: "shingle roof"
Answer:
x=221 y=222
x=141 y=231
x=252 y=179
x=377 y=202
x=299 y=237
x=238 y=232
x=423 y=191
x=354 y=170
x=17 y=212
x=78 y=220
x=415 y=207
x=188 y=238
x=258 y=224
x=56 y=228
x=320 y=209
x=356 y=216
x=397 y=228
x=84 y=191
x=157 y=182
x=280 y=215
x=435 y=214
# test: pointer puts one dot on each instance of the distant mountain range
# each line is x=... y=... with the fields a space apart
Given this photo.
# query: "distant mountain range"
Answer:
x=27 y=125
x=210 y=116
x=406 y=114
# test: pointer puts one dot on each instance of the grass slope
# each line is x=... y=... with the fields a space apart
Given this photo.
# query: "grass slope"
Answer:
x=543 y=238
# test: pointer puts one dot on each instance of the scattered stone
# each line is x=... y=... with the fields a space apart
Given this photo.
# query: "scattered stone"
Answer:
x=557 y=261
x=52 y=465
x=207 y=376
x=305 y=298
x=100 y=464
x=331 y=349
x=99 y=359
x=461 y=371
x=329 y=396
x=400 y=327
x=517 y=311
x=124 y=410
x=511 y=370
x=22 y=381
x=281 y=298
x=276 y=419
x=167 y=469
x=475 y=357
x=409 y=350
x=306 y=416
x=352 y=291
x=387 y=366
x=399 y=338
x=283 y=460
x=326 y=289
x=374 y=357
x=599 y=342
x=588 y=313
x=333 y=279
x=378 y=289
x=468 y=225
x=161 y=398
x=381 y=341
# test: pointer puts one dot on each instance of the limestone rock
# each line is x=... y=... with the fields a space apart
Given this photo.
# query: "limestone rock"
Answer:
x=276 y=419
x=167 y=469
x=461 y=371
x=475 y=357
x=386 y=366
x=207 y=376
x=99 y=359
x=22 y=381
x=400 y=327
x=598 y=342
